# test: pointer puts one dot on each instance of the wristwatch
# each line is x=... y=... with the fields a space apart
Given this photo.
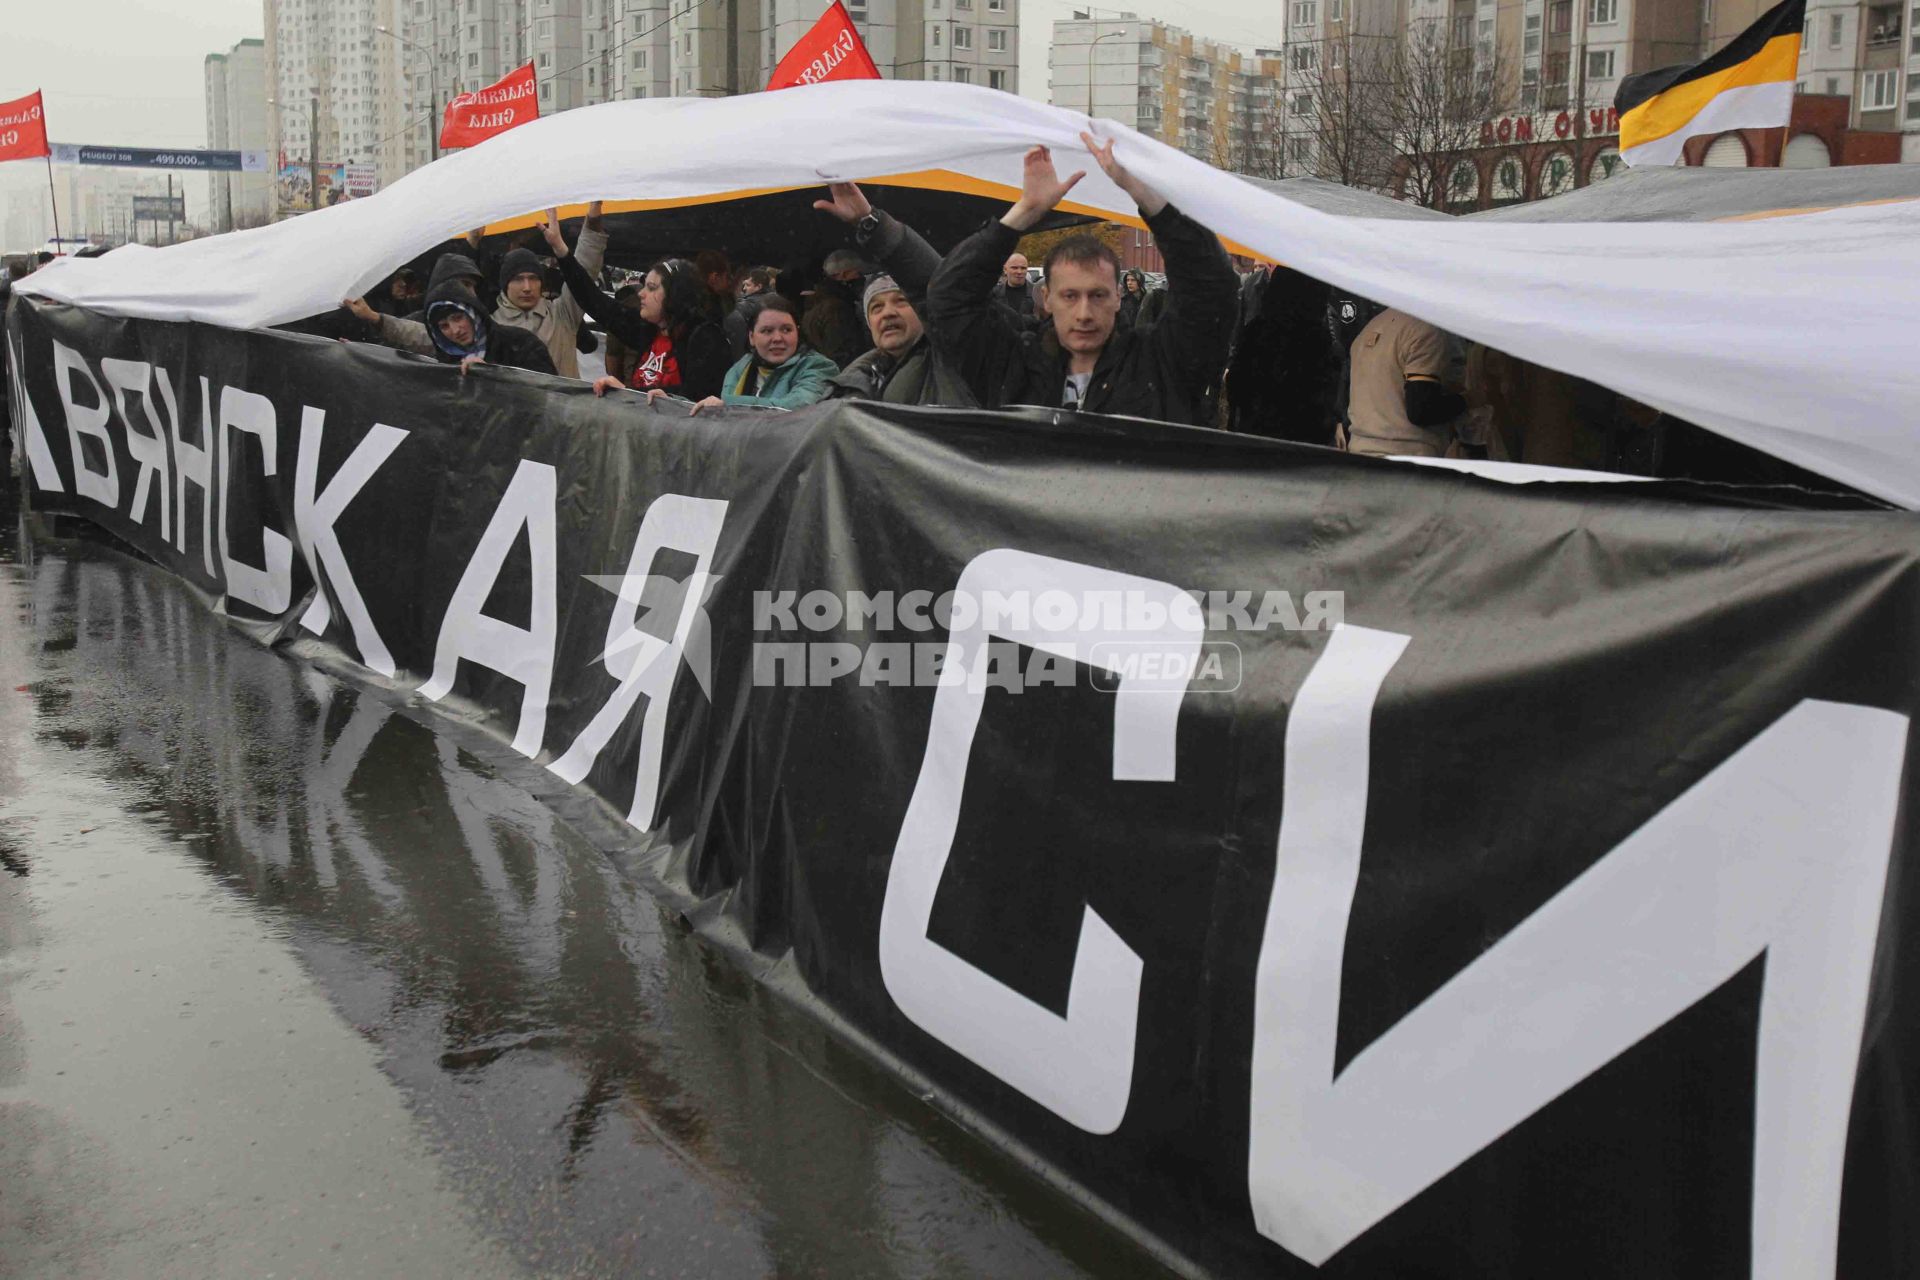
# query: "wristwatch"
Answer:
x=863 y=230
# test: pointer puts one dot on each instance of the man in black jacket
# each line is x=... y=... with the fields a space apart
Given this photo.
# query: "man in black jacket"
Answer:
x=1161 y=370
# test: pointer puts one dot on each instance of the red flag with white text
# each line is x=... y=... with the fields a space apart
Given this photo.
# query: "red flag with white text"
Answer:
x=23 y=128
x=474 y=117
x=831 y=50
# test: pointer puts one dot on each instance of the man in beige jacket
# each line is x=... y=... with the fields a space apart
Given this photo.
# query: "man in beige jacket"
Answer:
x=555 y=321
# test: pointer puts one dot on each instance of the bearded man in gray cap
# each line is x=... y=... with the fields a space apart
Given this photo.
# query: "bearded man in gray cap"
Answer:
x=902 y=367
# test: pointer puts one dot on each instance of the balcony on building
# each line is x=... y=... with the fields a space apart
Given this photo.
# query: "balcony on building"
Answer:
x=1883 y=26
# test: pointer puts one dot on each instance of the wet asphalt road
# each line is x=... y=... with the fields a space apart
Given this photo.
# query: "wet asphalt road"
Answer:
x=293 y=985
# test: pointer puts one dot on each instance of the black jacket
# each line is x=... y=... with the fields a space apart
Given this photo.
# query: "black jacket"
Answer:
x=921 y=376
x=833 y=325
x=702 y=351
x=1160 y=370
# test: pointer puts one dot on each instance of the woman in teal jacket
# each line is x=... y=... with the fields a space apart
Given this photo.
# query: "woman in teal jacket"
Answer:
x=778 y=371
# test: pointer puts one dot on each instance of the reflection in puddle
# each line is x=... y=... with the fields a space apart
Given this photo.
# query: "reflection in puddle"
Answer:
x=609 y=1094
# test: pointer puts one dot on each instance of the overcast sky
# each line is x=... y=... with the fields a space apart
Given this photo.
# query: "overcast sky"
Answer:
x=121 y=71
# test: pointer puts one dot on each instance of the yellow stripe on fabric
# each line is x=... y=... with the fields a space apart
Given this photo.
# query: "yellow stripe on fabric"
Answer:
x=920 y=180
x=1763 y=214
x=1669 y=112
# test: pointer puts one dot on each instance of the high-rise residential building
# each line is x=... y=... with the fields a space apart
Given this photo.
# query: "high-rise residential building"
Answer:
x=238 y=120
x=590 y=51
x=1211 y=100
x=330 y=67
x=1553 y=68
x=1865 y=50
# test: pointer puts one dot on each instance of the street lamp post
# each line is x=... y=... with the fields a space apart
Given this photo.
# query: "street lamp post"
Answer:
x=433 y=88
x=1111 y=35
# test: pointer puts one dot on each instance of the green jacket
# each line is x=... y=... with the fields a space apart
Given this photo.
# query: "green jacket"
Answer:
x=803 y=380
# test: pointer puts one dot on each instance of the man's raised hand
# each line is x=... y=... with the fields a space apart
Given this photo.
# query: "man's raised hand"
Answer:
x=849 y=203
x=1149 y=200
x=550 y=228
x=1040 y=190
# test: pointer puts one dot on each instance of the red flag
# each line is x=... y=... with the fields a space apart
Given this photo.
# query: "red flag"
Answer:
x=831 y=50
x=23 y=128
x=474 y=117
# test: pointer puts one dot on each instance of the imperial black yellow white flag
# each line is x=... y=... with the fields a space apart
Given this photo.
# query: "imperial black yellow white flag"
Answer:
x=1747 y=85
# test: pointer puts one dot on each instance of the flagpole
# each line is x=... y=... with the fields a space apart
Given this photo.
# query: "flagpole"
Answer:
x=53 y=200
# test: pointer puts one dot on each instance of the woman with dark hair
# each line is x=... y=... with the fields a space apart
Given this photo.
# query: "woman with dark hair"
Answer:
x=1133 y=291
x=780 y=371
x=682 y=352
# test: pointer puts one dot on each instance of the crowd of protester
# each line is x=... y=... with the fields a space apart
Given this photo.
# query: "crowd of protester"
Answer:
x=1266 y=350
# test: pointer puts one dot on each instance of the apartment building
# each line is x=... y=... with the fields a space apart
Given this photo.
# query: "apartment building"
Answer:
x=238 y=120
x=1867 y=51
x=591 y=51
x=336 y=85
x=1209 y=99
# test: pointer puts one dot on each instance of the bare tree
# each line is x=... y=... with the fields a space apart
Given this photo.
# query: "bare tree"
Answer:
x=1441 y=86
x=1338 y=110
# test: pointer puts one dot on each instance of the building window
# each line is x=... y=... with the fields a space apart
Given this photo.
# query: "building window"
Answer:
x=963 y=37
x=473 y=59
x=638 y=91
x=1532 y=43
x=936 y=35
x=963 y=75
x=934 y=71
x=997 y=40
x=546 y=60
x=1305 y=12
x=996 y=6
x=640 y=60
x=1836 y=30
x=1877 y=90
x=1303 y=57
x=686 y=43
x=1601 y=12
x=1556 y=70
x=1301 y=104
x=996 y=80
x=1600 y=64
x=1833 y=84
x=1336 y=10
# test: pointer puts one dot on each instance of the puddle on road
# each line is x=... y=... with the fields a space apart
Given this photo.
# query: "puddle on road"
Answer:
x=603 y=1093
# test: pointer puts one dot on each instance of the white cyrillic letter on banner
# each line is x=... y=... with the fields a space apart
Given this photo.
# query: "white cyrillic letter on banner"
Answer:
x=644 y=663
x=268 y=588
x=1782 y=850
x=314 y=517
x=466 y=632
x=1081 y=1066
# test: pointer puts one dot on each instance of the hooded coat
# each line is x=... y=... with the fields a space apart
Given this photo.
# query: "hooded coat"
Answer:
x=493 y=343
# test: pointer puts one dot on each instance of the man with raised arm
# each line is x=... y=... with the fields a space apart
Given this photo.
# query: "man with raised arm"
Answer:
x=1076 y=359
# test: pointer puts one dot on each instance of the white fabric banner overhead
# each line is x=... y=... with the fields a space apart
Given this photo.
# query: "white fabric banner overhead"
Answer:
x=1791 y=334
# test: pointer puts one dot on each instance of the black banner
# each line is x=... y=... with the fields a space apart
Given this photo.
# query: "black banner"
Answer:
x=1325 y=865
